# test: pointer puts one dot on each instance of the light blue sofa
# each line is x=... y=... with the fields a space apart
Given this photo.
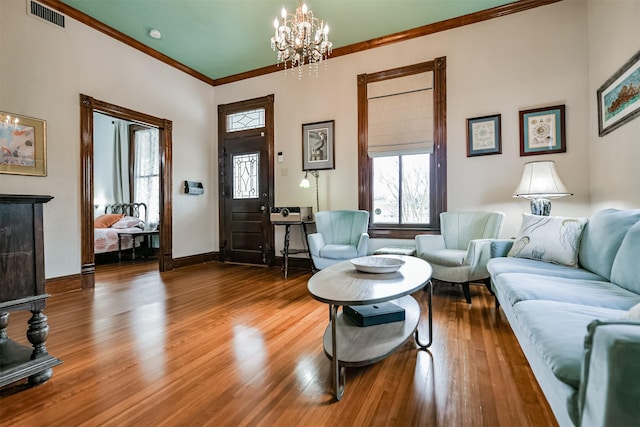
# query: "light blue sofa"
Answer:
x=570 y=321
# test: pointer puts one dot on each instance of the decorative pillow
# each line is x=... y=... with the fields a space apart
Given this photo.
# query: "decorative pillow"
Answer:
x=106 y=220
x=128 y=222
x=633 y=313
x=553 y=239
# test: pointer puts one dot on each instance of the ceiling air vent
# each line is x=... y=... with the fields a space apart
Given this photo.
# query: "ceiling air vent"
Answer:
x=43 y=12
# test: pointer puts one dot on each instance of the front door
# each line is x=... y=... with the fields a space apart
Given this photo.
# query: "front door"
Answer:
x=246 y=181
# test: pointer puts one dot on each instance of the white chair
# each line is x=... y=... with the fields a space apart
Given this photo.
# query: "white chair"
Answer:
x=340 y=235
x=460 y=253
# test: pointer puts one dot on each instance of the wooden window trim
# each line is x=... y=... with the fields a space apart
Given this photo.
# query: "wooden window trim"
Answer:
x=438 y=178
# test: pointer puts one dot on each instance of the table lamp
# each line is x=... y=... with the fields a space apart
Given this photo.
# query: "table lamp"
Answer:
x=540 y=183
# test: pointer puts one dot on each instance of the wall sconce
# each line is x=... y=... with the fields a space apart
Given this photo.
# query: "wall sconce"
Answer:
x=540 y=183
x=305 y=184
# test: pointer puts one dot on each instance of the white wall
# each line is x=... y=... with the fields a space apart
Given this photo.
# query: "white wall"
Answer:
x=45 y=69
x=613 y=40
x=526 y=60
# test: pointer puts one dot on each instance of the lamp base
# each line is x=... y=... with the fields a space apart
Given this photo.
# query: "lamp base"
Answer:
x=541 y=207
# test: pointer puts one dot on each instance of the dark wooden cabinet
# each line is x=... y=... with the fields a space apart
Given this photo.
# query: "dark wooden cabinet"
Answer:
x=22 y=283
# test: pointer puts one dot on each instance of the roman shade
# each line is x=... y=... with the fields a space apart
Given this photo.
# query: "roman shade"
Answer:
x=400 y=115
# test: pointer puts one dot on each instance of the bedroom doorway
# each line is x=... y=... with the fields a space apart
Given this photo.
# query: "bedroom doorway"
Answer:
x=89 y=106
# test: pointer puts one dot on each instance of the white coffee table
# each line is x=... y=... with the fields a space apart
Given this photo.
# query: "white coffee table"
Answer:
x=349 y=345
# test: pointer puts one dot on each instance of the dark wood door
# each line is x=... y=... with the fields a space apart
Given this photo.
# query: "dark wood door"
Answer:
x=246 y=200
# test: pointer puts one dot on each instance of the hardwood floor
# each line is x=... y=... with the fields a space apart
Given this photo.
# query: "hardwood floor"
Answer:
x=230 y=345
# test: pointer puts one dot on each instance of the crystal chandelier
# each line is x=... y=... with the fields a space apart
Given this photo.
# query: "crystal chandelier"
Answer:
x=301 y=39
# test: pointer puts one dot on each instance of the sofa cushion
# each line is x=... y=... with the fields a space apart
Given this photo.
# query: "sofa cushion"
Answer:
x=626 y=265
x=602 y=238
x=516 y=287
x=557 y=331
x=553 y=239
x=501 y=265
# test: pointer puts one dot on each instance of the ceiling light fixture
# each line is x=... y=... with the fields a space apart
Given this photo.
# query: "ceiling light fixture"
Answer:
x=301 y=39
x=155 y=34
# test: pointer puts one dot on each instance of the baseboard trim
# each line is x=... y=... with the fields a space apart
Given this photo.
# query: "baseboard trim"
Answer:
x=195 y=259
x=60 y=285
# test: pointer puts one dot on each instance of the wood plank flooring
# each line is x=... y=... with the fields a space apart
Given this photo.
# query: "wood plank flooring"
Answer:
x=230 y=345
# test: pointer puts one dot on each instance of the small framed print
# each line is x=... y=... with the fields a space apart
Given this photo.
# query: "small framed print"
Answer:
x=484 y=136
x=542 y=131
x=619 y=97
x=318 y=146
x=23 y=145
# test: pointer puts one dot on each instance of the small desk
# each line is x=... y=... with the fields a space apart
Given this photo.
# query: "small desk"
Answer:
x=134 y=235
x=287 y=235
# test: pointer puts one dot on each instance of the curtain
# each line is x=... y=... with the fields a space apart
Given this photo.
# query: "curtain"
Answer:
x=147 y=173
x=121 y=162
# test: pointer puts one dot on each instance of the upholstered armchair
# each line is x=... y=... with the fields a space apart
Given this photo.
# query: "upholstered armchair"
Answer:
x=340 y=235
x=460 y=253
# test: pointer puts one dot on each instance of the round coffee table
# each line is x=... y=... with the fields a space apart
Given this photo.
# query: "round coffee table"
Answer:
x=349 y=345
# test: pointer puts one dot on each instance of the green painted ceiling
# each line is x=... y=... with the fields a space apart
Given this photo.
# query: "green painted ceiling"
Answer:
x=219 y=38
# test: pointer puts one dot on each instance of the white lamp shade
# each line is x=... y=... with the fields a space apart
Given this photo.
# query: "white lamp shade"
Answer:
x=541 y=180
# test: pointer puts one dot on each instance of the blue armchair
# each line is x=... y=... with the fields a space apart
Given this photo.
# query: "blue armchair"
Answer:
x=341 y=235
x=460 y=253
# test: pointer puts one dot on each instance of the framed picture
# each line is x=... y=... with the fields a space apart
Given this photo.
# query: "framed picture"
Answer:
x=318 y=146
x=542 y=131
x=23 y=148
x=619 y=97
x=484 y=136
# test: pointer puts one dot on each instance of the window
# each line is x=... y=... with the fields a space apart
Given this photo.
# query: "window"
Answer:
x=402 y=154
x=243 y=120
x=146 y=171
x=401 y=189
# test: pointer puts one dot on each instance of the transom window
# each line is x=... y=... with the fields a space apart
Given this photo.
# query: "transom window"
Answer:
x=244 y=120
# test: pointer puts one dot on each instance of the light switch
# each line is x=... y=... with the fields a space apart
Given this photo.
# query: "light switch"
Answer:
x=284 y=172
x=280 y=157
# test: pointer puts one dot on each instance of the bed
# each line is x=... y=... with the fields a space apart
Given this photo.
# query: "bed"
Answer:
x=125 y=218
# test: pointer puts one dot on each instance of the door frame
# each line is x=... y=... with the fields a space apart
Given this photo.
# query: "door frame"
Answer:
x=89 y=105
x=267 y=103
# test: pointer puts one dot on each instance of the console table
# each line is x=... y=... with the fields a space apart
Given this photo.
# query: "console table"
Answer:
x=287 y=235
x=22 y=282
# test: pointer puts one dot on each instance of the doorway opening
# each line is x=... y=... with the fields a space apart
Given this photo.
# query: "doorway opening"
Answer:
x=89 y=106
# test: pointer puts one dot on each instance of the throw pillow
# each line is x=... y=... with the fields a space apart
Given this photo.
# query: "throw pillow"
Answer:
x=106 y=220
x=553 y=239
x=128 y=222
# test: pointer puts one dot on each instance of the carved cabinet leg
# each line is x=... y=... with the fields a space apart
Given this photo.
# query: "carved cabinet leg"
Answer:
x=4 y=322
x=37 y=336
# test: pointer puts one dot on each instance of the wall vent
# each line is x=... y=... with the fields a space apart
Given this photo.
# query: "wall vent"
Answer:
x=46 y=14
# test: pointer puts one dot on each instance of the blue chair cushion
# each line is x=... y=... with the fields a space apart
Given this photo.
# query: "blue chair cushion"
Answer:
x=338 y=252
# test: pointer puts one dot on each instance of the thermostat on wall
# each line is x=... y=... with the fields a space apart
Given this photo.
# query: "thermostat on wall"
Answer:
x=193 y=187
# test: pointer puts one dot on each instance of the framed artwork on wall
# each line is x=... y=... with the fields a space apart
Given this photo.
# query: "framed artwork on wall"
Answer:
x=542 y=131
x=619 y=97
x=23 y=148
x=484 y=136
x=318 y=146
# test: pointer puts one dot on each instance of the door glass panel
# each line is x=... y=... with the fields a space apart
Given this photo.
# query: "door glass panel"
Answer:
x=244 y=120
x=245 y=176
